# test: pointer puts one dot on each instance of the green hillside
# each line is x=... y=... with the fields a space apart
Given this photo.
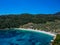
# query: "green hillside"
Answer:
x=13 y=21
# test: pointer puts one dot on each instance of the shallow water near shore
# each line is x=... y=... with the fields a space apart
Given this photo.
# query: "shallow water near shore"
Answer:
x=23 y=37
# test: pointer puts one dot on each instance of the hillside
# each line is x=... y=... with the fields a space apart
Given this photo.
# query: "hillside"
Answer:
x=14 y=21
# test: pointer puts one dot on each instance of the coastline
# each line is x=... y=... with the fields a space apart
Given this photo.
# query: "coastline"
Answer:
x=35 y=30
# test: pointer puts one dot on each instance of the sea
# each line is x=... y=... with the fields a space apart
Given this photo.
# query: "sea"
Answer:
x=24 y=37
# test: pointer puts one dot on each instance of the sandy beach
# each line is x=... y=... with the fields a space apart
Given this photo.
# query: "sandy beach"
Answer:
x=49 y=33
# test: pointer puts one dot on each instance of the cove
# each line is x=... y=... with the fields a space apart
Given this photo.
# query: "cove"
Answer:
x=24 y=37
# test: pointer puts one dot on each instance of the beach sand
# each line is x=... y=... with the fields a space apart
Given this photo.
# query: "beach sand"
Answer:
x=35 y=30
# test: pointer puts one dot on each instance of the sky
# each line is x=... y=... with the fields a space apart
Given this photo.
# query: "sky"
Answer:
x=29 y=6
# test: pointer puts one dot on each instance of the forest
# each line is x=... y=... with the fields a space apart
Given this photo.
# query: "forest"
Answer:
x=16 y=20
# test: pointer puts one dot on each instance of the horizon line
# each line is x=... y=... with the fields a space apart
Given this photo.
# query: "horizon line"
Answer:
x=27 y=13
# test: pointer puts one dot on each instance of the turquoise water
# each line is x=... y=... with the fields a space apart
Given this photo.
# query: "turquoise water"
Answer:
x=23 y=37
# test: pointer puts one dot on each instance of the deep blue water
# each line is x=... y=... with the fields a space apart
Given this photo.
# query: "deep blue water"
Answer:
x=23 y=37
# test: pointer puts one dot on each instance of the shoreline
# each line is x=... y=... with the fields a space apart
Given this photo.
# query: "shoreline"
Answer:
x=35 y=30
